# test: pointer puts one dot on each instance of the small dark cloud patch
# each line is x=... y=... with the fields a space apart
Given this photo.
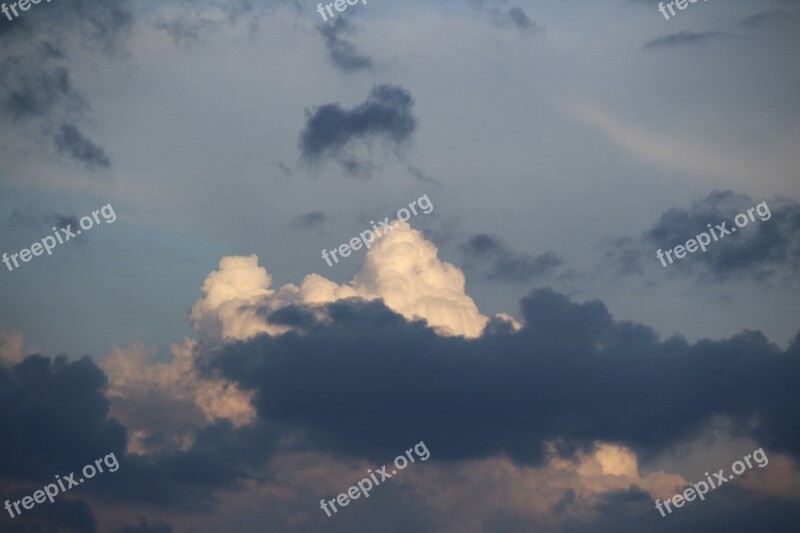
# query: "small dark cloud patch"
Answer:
x=765 y=18
x=183 y=29
x=331 y=129
x=341 y=52
x=313 y=220
x=760 y=251
x=105 y=23
x=626 y=255
x=419 y=175
x=286 y=172
x=145 y=526
x=35 y=94
x=51 y=51
x=686 y=38
x=519 y=18
x=493 y=258
x=32 y=219
x=72 y=142
x=62 y=515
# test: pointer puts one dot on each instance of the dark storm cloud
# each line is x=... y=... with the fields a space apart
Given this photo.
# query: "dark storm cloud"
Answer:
x=53 y=417
x=341 y=52
x=61 y=515
x=72 y=142
x=330 y=128
x=765 y=18
x=762 y=250
x=313 y=220
x=368 y=379
x=492 y=257
x=31 y=218
x=733 y=509
x=144 y=526
x=686 y=37
x=504 y=521
x=221 y=457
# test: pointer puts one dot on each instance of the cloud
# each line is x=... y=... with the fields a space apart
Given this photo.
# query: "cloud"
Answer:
x=765 y=18
x=72 y=142
x=36 y=82
x=520 y=19
x=686 y=37
x=333 y=340
x=35 y=92
x=305 y=387
x=11 y=346
x=341 y=52
x=402 y=269
x=187 y=29
x=314 y=219
x=52 y=411
x=672 y=153
x=514 y=18
x=510 y=383
x=762 y=250
x=145 y=526
x=490 y=255
x=330 y=129
x=418 y=175
x=163 y=405
x=31 y=218
x=60 y=515
x=102 y=25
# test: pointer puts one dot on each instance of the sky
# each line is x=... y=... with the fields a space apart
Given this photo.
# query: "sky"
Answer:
x=204 y=277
